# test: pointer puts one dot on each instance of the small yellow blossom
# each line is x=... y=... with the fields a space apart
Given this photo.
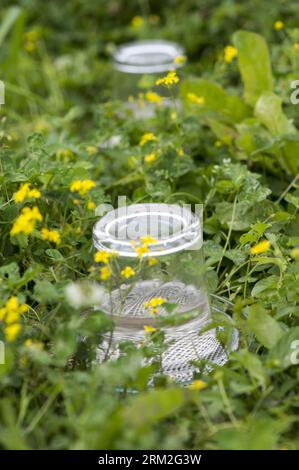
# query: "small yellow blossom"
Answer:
x=12 y=331
x=147 y=137
x=128 y=272
x=82 y=186
x=148 y=240
x=193 y=98
x=142 y=250
x=137 y=22
x=105 y=273
x=260 y=247
x=296 y=46
x=153 y=97
x=230 y=52
x=170 y=79
x=154 y=303
x=278 y=25
x=173 y=115
x=151 y=157
x=33 y=344
x=102 y=257
x=180 y=59
x=91 y=149
x=26 y=221
x=152 y=261
x=51 y=235
x=198 y=385
x=149 y=329
x=25 y=192
x=295 y=253
x=91 y=205
x=11 y=315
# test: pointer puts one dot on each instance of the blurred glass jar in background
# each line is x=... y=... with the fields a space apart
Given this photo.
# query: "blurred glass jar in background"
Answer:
x=151 y=261
x=137 y=67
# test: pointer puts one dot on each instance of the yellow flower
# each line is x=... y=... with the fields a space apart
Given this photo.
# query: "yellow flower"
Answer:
x=142 y=250
x=51 y=235
x=33 y=344
x=127 y=272
x=137 y=22
x=11 y=315
x=278 y=25
x=198 y=385
x=173 y=115
x=149 y=329
x=148 y=240
x=296 y=46
x=91 y=149
x=25 y=192
x=181 y=152
x=295 y=253
x=26 y=221
x=147 y=137
x=154 y=303
x=153 y=97
x=260 y=247
x=193 y=98
x=152 y=261
x=170 y=79
x=230 y=52
x=218 y=143
x=12 y=331
x=180 y=59
x=82 y=186
x=105 y=273
x=91 y=205
x=151 y=157
x=102 y=257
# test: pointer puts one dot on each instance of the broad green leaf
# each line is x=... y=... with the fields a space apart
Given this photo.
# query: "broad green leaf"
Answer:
x=266 y=329
x=216 y=100
x=254 y=64
x=264 y=286
x=269 y=111
x=9 y=19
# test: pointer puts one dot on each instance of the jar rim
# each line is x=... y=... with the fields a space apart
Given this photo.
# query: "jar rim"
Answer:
x=147 y=56
x=173 y=227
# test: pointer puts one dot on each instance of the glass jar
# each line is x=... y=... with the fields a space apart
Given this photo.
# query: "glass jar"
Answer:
x=138 y=65
x=154 y=273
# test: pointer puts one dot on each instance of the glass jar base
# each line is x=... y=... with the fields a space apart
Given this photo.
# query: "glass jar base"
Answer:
x=184 y=342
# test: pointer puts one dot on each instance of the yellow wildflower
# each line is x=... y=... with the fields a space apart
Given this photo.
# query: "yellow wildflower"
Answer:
x=154 y=303
x=142 y=250
x=12 y=331
x=278 y=25
x=51 y=235
x=91 y=149
x=26 y=221
x=148 y=240
x=193 y=98
x=198 y=385
x=260 y=247
x=137 y=22
x=147 y=137
x=152 y=261
x=82 y=186
x=102 y=257
x=149 y=329
x=25 y=192
x=128 y=272
x=295 y=253
x=180 y=59
x=153 y=97
x=105 y=273
x=173 y=115
x=11 y=315
x=296 y=46
x=151 y=157
x=230 y=52
x=91 y=205
x=33 y=344
x=170 y=79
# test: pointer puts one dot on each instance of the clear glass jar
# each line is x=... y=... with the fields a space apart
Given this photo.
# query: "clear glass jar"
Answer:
x=156 y=279
x=139 y=64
